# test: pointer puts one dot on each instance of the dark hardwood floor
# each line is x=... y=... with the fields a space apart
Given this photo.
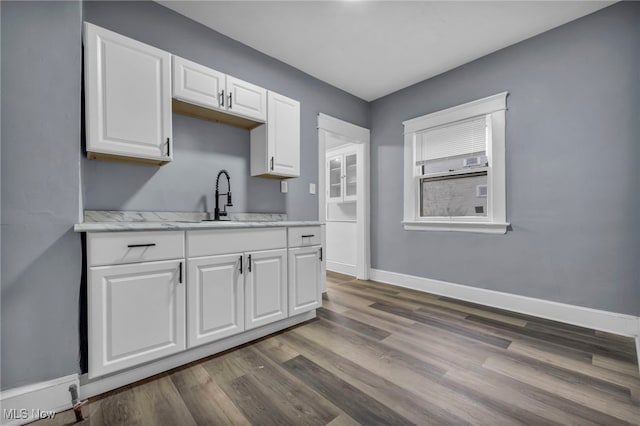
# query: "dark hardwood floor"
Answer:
x=379 y=354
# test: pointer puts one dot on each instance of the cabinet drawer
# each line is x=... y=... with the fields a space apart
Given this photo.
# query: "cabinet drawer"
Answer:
x=112 y=248
x=303 y=236
x=226 y=241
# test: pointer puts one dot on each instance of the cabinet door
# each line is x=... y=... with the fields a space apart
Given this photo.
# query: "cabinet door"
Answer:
x=334 y=178
x=283 y=135
x=350 y=177
x=215 y=302
x=136 y=314
x=265 y=287
x=197 y=84
x=246 y=99
x=128 y=97
x=305 y=289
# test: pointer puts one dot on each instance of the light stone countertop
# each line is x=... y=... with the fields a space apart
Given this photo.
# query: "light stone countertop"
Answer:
x=114 y=221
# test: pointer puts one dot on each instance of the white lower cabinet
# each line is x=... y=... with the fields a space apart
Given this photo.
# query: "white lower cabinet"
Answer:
x=237 y=281
x=136 y=314
x=145 y=302
x=305 y=287
x=215 y=298
x=265 y=287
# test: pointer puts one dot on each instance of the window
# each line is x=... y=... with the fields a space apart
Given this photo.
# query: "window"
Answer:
x=454 y=168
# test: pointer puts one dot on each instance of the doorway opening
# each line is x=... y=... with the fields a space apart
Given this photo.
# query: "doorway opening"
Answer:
x=343 y=179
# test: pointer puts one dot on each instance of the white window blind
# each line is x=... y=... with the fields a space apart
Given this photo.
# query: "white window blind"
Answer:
x=459 y=138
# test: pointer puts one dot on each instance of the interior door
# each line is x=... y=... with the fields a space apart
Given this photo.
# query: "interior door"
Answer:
x=332 y=134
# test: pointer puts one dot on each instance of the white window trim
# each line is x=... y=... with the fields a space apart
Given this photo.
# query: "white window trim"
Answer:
x=496 y=220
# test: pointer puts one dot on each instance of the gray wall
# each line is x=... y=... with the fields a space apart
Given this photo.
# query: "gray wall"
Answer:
x=41 y=262
x=574 y=93
x=41 y=162
x=573 y=122
x=202 y=148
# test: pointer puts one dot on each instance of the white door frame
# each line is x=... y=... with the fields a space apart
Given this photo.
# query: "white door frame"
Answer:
x=360 y=136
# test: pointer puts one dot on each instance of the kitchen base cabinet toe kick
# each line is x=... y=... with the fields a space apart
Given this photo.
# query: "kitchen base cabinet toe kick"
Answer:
x=160 y=299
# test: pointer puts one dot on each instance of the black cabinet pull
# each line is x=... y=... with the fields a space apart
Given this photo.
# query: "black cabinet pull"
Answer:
x=320 y=254
x=168 y=155
x=241 y=264
x=230 y=104
x=249 y=263
x=180 y=276
x=222 y=100
x=141 y=245
x=308 y=235
x=271 y=163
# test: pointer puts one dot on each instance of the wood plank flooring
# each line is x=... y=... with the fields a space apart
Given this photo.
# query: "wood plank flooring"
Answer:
x=379 y=354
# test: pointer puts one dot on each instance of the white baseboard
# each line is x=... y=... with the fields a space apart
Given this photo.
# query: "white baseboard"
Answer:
x=99 y=385
x=612 y=322
x=29 y=403
x=341 y=268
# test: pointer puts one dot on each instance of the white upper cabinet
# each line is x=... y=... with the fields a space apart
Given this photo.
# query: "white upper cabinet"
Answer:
x=246 y=99
x=283 y=134
x=129 y=88
x=197 y=84
x=275 y=147
x=127 y=98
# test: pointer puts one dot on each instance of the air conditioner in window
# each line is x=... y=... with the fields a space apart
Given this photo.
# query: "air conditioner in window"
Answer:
x=475 y=161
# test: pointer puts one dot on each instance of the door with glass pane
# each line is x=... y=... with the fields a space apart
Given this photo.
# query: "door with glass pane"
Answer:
x=334 y=177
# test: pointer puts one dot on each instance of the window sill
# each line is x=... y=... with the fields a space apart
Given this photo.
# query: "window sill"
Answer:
x=480 y=227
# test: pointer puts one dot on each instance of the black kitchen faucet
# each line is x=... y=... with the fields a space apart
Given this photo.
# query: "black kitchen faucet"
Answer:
x=217 y=213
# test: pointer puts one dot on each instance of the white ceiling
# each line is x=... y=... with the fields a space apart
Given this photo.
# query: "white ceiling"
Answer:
x=373 y=48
